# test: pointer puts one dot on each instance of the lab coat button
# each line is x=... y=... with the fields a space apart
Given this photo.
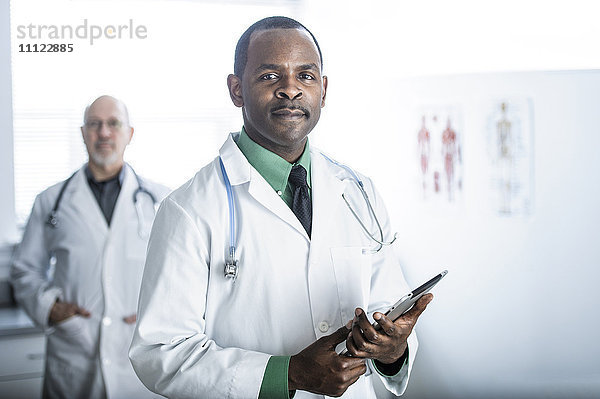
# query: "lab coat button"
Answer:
x=323 y=326
x=107 y=321
x=106 y=362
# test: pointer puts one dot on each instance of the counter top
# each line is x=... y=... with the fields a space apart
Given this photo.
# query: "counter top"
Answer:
x=14 y=321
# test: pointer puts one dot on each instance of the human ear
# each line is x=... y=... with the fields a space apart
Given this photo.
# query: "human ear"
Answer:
x=130 y=135
x=83 y=134
x=324 y=91
x=234 y=84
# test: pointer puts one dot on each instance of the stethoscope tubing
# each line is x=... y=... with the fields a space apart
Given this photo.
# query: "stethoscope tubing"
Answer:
x=381 y=242
x=231 y=264
x=52 y=220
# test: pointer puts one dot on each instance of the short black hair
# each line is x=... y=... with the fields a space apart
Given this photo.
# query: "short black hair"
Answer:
x=241 y=49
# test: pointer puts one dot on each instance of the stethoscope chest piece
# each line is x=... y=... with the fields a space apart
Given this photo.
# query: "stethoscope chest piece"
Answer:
x=52 y=220
x=231 y=269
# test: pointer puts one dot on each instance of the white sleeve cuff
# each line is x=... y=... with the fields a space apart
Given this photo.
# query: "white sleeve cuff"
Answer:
x=46 y=300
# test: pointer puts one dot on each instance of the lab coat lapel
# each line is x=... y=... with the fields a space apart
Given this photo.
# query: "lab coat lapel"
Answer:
x=327 y=191
x=240 y=171
x=264 y=193
x=125 y=198
x=85 y=204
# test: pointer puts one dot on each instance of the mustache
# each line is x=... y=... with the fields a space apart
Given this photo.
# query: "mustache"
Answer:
x=290 y=106
x=99 y=143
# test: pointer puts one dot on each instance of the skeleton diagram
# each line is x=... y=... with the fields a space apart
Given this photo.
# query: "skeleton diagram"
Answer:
x=505 y=146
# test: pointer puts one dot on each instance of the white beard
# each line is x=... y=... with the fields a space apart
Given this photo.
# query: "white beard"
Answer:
x=104 y=160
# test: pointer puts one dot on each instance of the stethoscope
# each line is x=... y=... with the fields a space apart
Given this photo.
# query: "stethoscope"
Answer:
x=52 y=220
x=231 y=269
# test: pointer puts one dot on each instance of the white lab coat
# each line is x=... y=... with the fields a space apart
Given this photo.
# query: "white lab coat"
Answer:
x=200 y=335
x=96 y=267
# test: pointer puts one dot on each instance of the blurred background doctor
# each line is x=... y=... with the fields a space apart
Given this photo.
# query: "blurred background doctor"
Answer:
x=78 y=269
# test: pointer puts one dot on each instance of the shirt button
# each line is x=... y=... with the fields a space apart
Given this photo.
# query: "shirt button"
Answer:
x=323 y=326
x=107 y=321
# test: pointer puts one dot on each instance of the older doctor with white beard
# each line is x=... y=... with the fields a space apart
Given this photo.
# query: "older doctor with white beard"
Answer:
x=78 y=269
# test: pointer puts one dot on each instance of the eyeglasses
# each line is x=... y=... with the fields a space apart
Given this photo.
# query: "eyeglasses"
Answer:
x=113 y=124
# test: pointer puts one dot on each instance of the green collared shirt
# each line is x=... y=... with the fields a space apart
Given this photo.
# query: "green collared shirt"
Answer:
x=272 y=167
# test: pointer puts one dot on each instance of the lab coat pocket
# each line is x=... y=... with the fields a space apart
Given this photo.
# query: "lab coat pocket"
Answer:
x=69 y=327
x=72 y=334
x=352 y=268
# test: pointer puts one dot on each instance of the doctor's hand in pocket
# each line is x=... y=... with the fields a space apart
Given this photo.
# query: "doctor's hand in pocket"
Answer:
x=319 y=369
x=63 y=310
x=388 y=344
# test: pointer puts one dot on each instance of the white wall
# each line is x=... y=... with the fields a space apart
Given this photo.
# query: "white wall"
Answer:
x=500 y=325
x=517 y=315
x=7 y=205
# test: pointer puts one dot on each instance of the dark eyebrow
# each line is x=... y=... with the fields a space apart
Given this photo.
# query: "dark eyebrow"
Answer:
x=265 y=67
x=305 y=67
x=311 y=66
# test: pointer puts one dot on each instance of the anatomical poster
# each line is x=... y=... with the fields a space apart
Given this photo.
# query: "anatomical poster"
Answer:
x=510 y=151
x=438 y=143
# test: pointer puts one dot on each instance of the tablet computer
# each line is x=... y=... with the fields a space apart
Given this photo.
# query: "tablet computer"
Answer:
x=407 y=301
x=404 y=304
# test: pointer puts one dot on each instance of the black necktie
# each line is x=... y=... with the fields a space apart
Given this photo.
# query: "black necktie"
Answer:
x=301 y=205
